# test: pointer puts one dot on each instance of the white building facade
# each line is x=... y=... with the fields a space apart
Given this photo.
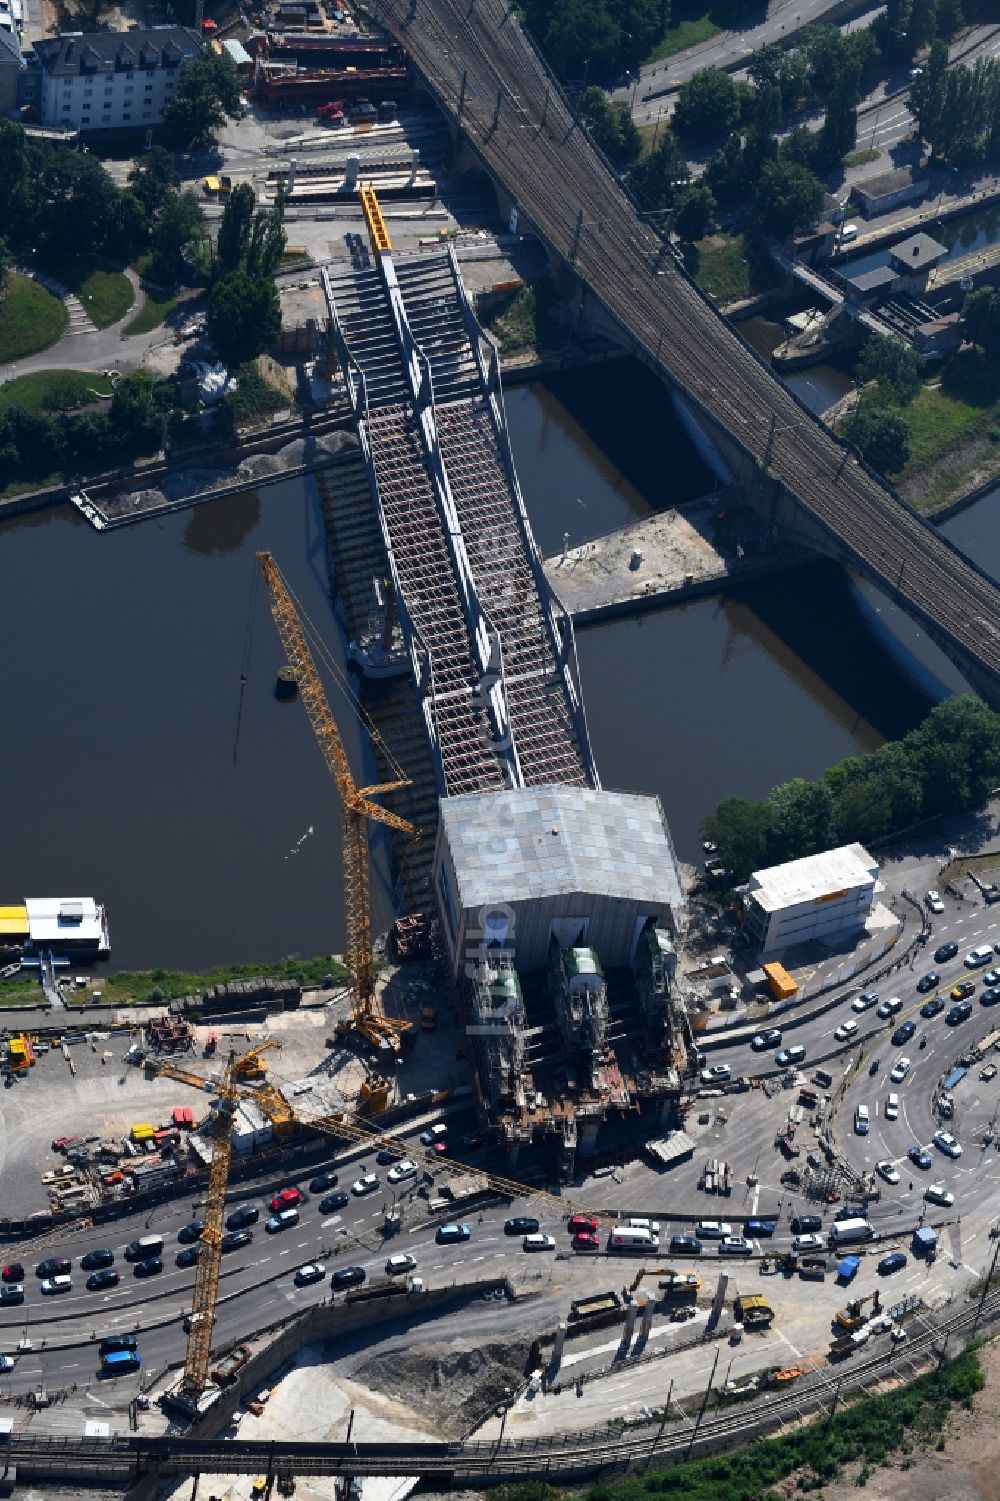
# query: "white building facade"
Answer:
x=112 y=80
x=826 y=897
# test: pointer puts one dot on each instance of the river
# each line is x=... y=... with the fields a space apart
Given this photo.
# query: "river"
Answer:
x=124 y=654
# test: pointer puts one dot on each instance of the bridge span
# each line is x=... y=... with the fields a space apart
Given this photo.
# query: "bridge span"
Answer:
x=486 y=74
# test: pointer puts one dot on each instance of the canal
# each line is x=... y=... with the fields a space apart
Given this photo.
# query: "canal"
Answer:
x=125 y=777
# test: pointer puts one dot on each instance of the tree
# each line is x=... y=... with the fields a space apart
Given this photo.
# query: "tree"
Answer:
x=801 y=819
x=840 y=127
x=724 y=172
x=694 y=212
x=130 y=223
x=208 y=91
x=981 y=319
x=154 y=179
x=740 y=829
x=707 y=104
x=879 y=434
x=582 y=39
x=138 y=412
x=180 y=225
x=895 y=365
x=786 y=196
x=6 y=264
x=927 y=94
x=244 y=316
x=950 y=17
x=656 y=177
x=923 y=25
x=234 y=231
x=893 y=28
x=611 y=127
x=761 y=142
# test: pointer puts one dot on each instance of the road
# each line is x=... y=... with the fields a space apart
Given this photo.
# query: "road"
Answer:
x=729 y=49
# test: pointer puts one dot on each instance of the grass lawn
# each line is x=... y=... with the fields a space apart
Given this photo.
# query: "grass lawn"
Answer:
x=526 y=322
x=21 y=992
x=30 y=318
x=53 y=390
x=106 y=295
x=685 y=34
x=731 y=268
x=966 y=404
x=861 y=158
x=157 y=985
x=157 y=307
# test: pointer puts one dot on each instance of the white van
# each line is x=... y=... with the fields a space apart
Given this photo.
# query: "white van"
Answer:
x=637 y=1223
x=626 y=1238
x=862 y=1121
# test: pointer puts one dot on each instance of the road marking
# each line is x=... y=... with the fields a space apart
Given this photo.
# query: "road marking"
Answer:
x=336 y=1219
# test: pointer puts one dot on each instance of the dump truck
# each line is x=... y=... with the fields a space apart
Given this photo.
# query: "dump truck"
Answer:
x=753 y=1311
x=588 y=1308
x=225 y=1368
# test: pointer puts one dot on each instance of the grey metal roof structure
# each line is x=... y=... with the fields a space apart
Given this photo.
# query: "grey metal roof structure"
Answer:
x=116 y=51
x=917 y=252
x=533 y=842
x=870 y=281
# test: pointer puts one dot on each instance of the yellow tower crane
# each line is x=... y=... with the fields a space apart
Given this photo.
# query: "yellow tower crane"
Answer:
x=367 y=1016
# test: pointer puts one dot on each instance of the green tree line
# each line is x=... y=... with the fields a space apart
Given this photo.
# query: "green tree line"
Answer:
x=947 y=764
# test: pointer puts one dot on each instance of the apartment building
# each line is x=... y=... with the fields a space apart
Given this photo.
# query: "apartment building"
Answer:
x=111 y=80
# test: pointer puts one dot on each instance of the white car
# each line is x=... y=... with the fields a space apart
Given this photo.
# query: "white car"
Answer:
x=933 y=902
x=938 y=1194
x=402 y=1171
x=713 y=1229
x=945 y=1142
x=653 y=1226
x=719 y=1073
x=889 y=1007
x=433 y=1134
x=808 y=1243
x=7 y=1362
x=400 y=1264
x=366 y=1185
x=862 y=1121
x=892 y=1106
x=864 y=1000
x=887 y=1171
x=538 y=1242
x=845 y=1030
x=900 y=1070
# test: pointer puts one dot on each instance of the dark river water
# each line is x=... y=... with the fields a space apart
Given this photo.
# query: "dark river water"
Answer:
x=124 y=654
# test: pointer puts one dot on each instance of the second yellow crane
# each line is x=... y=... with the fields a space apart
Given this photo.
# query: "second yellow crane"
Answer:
x=358 y=807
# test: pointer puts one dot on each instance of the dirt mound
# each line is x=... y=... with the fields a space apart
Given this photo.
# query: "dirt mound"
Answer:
x=457 y=1388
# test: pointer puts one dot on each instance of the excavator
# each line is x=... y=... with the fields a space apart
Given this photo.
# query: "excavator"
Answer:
x=852 y=1316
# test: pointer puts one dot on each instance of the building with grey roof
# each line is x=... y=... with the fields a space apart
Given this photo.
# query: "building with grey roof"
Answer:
x=112 y=80
x=524 y=866
x=888 y=190
x=11 y=67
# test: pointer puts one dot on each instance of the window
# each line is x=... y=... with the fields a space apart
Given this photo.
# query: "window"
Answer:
x=147 y=114
x=149 y=88
x=129 y=87
x=88 y=91
x=150 y=72
x=126 y=116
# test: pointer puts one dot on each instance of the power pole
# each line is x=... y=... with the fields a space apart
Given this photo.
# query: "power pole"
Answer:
x=986 y=1287
x=704 y=1404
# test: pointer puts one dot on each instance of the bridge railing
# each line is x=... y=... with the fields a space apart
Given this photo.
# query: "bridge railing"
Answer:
x=421 y=656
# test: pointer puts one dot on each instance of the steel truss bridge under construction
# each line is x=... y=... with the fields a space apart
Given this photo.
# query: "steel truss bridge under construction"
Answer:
x=490 y=646
x=471 y=1462
x=488 y=77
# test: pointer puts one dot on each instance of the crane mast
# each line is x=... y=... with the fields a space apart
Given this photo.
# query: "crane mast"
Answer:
x=357 y=806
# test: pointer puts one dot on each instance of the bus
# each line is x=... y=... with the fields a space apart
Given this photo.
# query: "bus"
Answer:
x=632 y=1238
x=120 y=1363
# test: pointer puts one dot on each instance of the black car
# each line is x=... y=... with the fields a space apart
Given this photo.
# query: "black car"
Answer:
x=333 y=1202
x=322 y=1182
x=945 y=952
x=54 y=1266
x=189 y=1256
x=990 y=996
x=850 y=1212
x=931 y=1008
x=96 y=1259
x=930 y=981
x=348 y=1276
x=148 y=1268
x=235 y=1239
x=903 y=1033
x=385 y=1158
x=806 y=1224
x=685 y=1245
x=191 y=1232
x=959 y=1013
x=12 y=1292
x=247 y=1214
x=521 y=1224
x=107 y=1278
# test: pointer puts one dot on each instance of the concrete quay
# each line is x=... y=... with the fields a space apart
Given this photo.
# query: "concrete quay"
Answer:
x=660 y=560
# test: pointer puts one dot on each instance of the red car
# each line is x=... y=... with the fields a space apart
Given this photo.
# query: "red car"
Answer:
x=440 y=1148
x=286 y=1199
x=14 y=1272
x=586 y=1240
x=584 y=1223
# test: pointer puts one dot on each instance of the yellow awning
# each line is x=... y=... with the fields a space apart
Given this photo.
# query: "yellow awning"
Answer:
x=14 y=922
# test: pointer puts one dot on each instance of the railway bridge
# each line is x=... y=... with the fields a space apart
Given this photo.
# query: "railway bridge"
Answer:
x=488 y=77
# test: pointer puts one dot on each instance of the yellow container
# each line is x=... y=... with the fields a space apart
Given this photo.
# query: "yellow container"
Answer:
x=143 y=1132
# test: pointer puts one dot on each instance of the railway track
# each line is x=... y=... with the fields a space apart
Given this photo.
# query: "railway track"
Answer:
x=484 y=1461
x=486 y=73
